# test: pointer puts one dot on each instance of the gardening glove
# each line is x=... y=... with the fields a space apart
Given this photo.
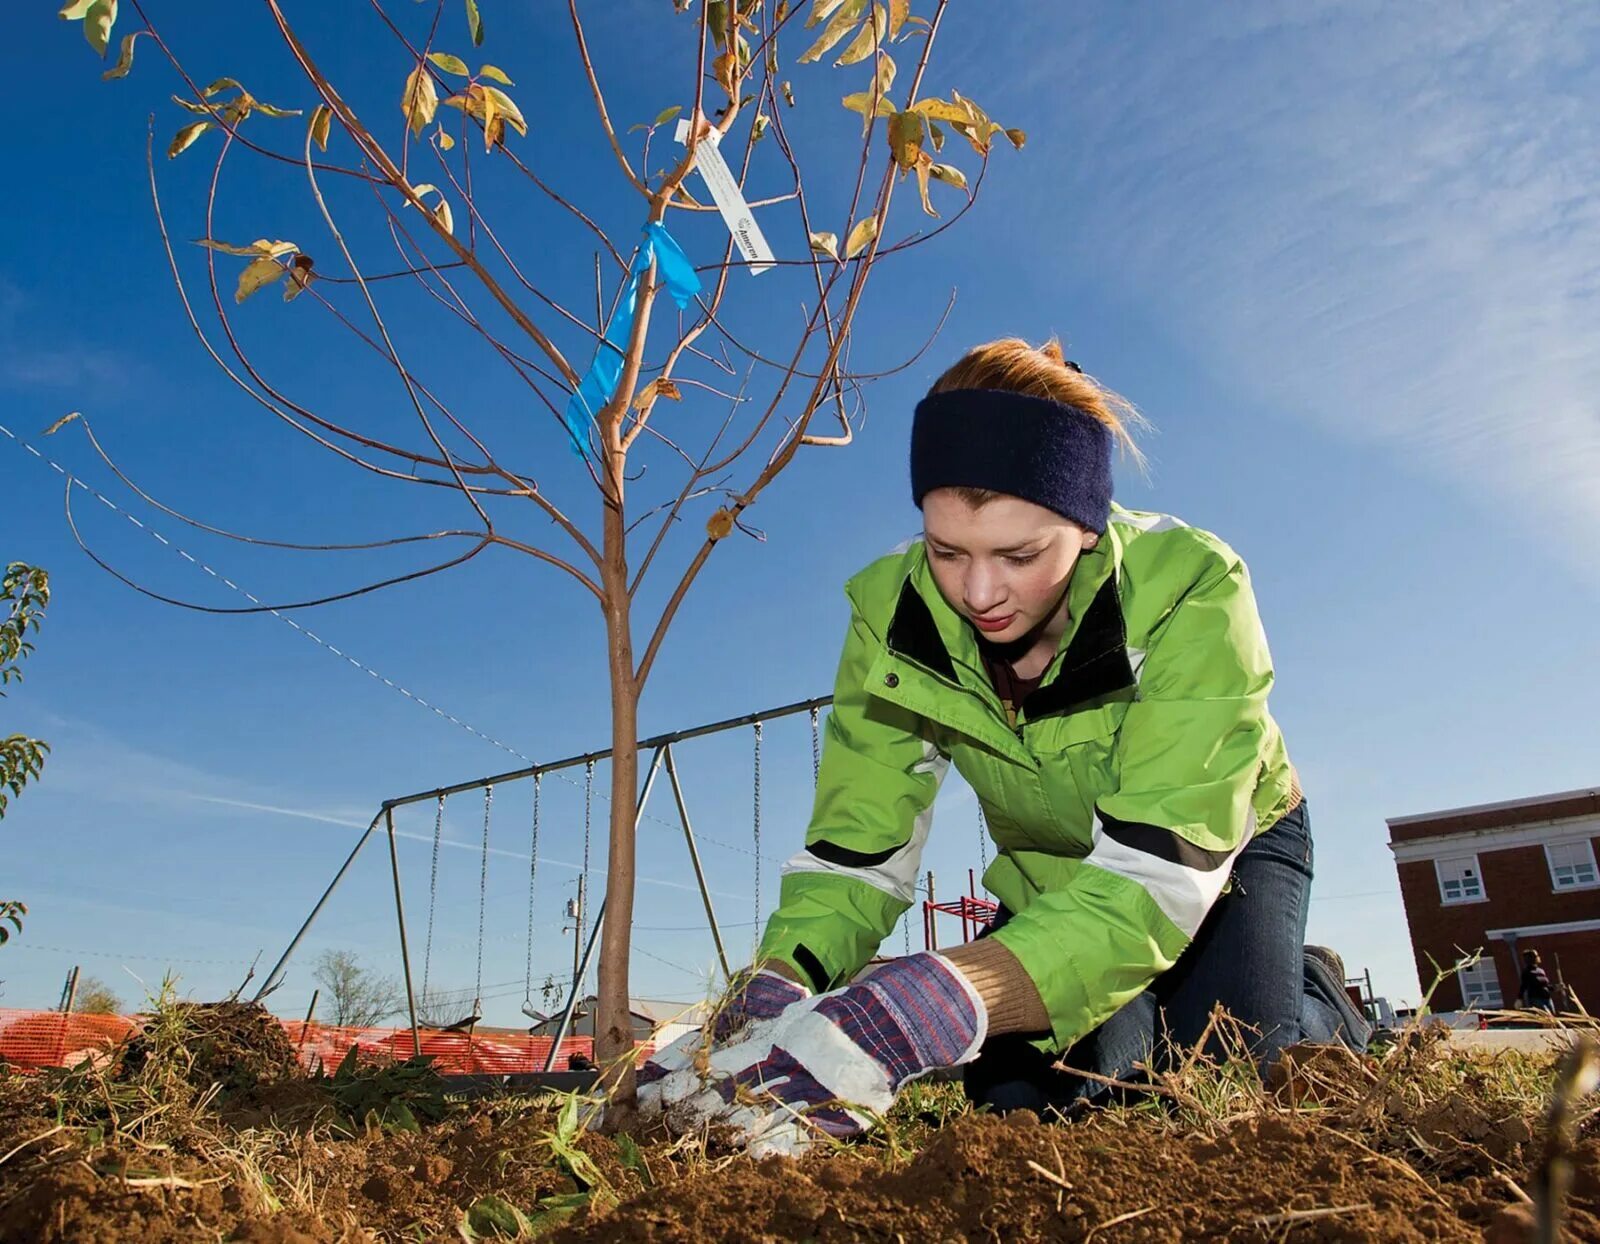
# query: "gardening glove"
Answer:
x=830 y=1066
x=754 y=995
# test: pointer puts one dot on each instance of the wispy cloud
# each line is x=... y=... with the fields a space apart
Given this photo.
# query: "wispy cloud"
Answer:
x=1382 y=217
x=32 y=356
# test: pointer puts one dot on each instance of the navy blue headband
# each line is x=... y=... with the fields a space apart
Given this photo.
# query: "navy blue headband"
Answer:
x=1054 y=455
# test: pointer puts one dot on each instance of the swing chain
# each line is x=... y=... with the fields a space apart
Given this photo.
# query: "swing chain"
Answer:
x=816 y=747
x=433 y=891
x=483 y=893
x=583 y=894
x=983 y=844
x=533 y=873
x=757 y=823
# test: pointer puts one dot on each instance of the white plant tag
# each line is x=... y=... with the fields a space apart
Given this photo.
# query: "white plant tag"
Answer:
x=724 y=187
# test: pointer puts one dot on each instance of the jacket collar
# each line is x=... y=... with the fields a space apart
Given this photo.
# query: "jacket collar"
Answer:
x=1093 y=658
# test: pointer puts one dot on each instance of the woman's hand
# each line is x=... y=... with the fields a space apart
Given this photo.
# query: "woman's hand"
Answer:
x=830 y=1064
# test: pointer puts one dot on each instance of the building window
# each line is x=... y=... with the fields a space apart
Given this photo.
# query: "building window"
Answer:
x=1480 y=984
x=1572 y=865
x=1459 y=880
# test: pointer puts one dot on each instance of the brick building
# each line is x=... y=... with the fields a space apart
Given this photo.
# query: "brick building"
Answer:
x=1503 y=877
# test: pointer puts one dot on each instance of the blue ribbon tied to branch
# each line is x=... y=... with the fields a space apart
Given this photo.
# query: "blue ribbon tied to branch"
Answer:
x=599 y=383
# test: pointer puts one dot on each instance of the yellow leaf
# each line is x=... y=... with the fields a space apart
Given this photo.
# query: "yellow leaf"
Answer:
x=725 y=69
x=899 y=10
x=76 y=10
x=124 y=60
x=185 y=136
x=441 y=212
x=924 y=168
x=861 y=236
x=62 y=422
x=668 y=389
x=498 y=74
x=321 y=120
x=212 y=244
x=821 y=10
x=867 y=38
x=98 y=19
x=885 y=72
x=788 y=94
x=221 y=84
x=949 y=174
x=474 y=23
x=863 y=103
x=905 y=138
x=507 y=108
x=420 y=101
x=825 y=244
x=271 y=249
x=937 y=131
x=719 y=524
x=839 y=25
x=1017 y=137
x=450 y=64
x=445 y=141
x=257 y=274
x=939 y=110
x=487 y=102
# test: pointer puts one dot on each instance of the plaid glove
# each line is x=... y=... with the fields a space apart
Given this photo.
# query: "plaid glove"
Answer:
x=754 y=996
x=830 y=1064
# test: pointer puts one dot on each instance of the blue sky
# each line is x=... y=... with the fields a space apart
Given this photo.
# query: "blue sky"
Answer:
x=1341 y=255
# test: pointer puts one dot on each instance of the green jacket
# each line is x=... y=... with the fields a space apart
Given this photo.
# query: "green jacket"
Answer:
x=1142 y=765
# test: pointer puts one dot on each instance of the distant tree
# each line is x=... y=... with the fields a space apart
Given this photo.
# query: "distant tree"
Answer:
x=95 y=997
x=24 y=597
x=359 y=997
x=552 y=992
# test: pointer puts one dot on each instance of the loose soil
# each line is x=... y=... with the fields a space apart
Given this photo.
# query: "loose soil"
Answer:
x=1417 y=1147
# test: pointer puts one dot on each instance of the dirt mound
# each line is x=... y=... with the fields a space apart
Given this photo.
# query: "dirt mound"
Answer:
x=982 y=1179
x=238 y=1045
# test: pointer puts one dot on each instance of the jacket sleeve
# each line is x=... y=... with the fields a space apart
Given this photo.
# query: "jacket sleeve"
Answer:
x=841 y=895
x=1189 y=753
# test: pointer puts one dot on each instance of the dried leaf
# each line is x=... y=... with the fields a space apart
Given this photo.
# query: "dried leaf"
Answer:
x=420 y=100
x=905 y=138
x=321 y=120
x=788 y=94
x=861 y=236
x=185 y=136
x=867 y=38
x=450 y=64
x=76 y=10
x=725 y=69
x=445 y=141
x=98 y=19
x=63 y=421
x=299 y=278
x=124 y=60
x=495 y=72
x=668 y=389
x=267 y=110
x=949 y=174
x=839 y=25
x=257 y=274
x=1017 y=137
x=937 y=131
x=899 y=10
x=205 y=110
x=719 y=524
x=825 y=244
x=222 y=84
x=666 y=114
x=441 y=211
x=474 y=23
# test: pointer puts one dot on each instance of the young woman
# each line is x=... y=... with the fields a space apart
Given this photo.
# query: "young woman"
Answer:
x=1100 y=677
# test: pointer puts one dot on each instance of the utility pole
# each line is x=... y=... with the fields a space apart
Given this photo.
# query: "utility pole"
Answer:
x=69 y=991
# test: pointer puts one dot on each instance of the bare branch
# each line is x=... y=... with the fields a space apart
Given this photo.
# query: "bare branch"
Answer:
x=600 y=101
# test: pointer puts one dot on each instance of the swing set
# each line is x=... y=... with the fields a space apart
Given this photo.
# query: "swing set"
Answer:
x=586 y=930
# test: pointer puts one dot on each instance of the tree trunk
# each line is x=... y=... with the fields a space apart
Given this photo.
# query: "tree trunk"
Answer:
x=613 y=1023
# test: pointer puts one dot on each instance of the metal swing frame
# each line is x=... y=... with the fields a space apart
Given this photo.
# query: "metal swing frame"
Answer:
x=660 y=747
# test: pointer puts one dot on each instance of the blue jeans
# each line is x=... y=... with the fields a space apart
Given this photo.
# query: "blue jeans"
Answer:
x=1248 y=955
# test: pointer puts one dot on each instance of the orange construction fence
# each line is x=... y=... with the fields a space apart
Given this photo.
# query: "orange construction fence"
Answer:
x=31 y=1040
